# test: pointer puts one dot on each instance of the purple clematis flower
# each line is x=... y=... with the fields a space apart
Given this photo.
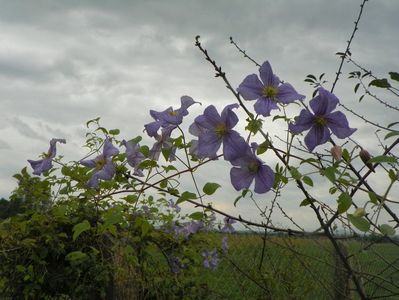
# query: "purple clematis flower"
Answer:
x=248 y=168
x=322 y=121
x=228 y=225
x=134 y=156
x=174 y=206
x=213 y=129
x=169 y=116
x=103 y=165
x=42 y=165
x=211 y=260
x=268 y=91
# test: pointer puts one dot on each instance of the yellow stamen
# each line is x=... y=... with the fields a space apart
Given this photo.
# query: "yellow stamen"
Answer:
x=270 y=91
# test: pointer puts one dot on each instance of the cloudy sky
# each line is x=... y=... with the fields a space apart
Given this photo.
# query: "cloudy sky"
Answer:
x=65 y=62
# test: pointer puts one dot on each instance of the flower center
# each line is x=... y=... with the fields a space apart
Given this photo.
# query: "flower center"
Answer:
x=172 y=113
x=270 y=91
x=321 y=121
x=221 y=130
x=100 y=164
x=253 y=166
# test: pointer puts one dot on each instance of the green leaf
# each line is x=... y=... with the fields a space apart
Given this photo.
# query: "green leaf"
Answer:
x=346 y=156
x=344 y=202
x=387 y=230
x=391 y=134
x=394 y=76
x=357 y=87
x=306 y=202
x=382 y=159
x=210 y=188
x=114 y=131
x=311 y=76
x=359 y=222
x=307 y=180
x=79 y=228
x=381 y=83
x=295 y=173
x=373 y=198
x=392 y=175
x=392 y=124
x=197 y=215
x=186 y=196
x=329 y=172
x=76 y=256
x=262 y=148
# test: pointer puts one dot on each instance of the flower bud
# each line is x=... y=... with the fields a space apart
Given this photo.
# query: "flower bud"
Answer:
x=359 y=212
x=365 y=157
x=336 y=152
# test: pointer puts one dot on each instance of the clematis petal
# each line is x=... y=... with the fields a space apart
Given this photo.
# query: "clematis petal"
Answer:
x=107 y=172
x=90 y=163
x=41 y=166
x=324 y=103
x=109 y=149
x=240 y=178
x=317 y=135
x=152 y=128
x=53 y=151
x=264 y=179
x=264 y=106
x=233 y=146
x=208 y=145
x=211 y=118
x=251 y=87
x=267 y=76
x=229 y=117
x=287 y=94
x=303 y=122
x=339 y=125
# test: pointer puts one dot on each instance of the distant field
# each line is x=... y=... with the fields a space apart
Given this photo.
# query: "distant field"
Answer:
x=298 y=268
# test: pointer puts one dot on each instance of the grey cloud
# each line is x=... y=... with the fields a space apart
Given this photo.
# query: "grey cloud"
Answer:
x=25 y=129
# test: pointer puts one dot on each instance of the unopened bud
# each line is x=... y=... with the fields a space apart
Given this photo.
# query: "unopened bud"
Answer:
x=365 y=157
x=359 y=212
x=336 y=152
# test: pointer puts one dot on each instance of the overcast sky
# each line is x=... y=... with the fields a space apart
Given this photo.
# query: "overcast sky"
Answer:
x=65 y=62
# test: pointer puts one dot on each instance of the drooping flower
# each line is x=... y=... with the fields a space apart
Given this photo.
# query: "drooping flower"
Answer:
x=169 y=116
x=228 y=225
x=103 y=165
x=267 y=90
x=213 y=129
x=164 y=141
x=322 y=122
x=211 y=260
x=248 y=168
x=134 y=156
x=42 y=165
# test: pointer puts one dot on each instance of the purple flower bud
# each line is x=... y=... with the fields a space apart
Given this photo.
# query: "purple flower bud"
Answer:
x=336 y=152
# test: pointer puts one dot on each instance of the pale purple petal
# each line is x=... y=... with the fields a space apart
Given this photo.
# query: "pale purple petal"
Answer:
x=233 y=145
x=152 y=128
x=107 y=172
x=251 y=88
x=264 y=105
x=211 y=118
x=339 y=125
x=109 y=149
x=52 y=150
x=90 y=163
x=267 y=76
x=241 y=178
x=303 y=122
x=228 y=117
x=287 y=94
x=324 y=103
x=41 y=166
x=317 y=135
x=264 y=179
x=208 y=145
